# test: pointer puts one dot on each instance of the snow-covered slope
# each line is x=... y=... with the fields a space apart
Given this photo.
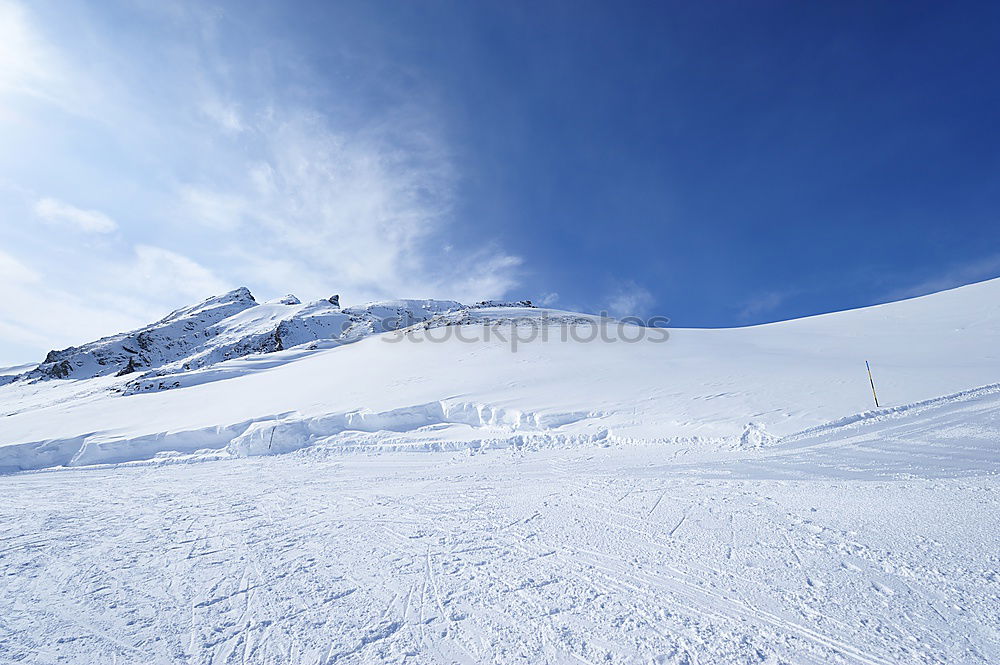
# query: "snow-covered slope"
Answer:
x=707 y=496
x=224 y=327
x=866 y=543
x=484 y=376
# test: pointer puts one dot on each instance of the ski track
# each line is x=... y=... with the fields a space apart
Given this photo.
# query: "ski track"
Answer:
x=608 y=555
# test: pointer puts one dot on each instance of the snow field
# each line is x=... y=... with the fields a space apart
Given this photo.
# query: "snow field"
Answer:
x=730 y=496
x=602 y=555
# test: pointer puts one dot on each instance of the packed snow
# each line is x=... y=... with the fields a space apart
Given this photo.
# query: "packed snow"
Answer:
x=495 y=484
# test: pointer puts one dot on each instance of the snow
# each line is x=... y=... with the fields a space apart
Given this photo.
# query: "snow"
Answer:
x=702 y=496
x=14 y=370
x=225 y=327
x=473 y=390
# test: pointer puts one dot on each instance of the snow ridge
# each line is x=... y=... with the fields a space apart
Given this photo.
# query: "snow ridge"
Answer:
x=224 y=327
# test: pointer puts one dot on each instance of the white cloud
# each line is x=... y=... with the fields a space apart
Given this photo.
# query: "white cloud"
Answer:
x=13 y=271
x=90 y=221
x=214 y=209
x=367 y=210
x=25 y=61
x=161 y=274
x=482 y=275
x=974 y=271
x=628 y=299
x=548 y=299
x=33 y=68
x=36 y=316
x=763 y=303
x=227 y=116
x=243 y=168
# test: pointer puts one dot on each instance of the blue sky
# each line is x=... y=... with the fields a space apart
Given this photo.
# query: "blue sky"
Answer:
x=719 y=163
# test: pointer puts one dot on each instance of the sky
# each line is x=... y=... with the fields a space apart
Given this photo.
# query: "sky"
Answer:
x=720 y=163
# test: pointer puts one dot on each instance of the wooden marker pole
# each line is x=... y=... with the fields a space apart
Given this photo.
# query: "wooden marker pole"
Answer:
x=872 y=381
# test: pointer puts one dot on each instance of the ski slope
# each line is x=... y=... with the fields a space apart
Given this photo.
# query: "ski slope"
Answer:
x=720 y=496
x=405 y=391
x=872 y=542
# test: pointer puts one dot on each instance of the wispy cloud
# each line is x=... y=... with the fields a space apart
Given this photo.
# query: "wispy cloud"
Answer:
x=13 y=271
x=25 y=60
x=627 y=298
x=763 y=304
x=974 y=271
x=89 y=221
x=36 y=315
x=40 y=314
x=367 y=209
x=161 y=272
x=218 y=210
x=227 y=116
x=548 y=299
x=235 y=168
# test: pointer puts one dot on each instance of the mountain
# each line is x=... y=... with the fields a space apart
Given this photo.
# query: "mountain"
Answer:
x=255 y=378
x=232 y=325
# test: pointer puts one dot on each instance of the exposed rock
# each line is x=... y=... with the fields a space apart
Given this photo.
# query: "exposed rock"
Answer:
x=482 y=304
x=234 y=325
x=174 y=336
x=128 y=369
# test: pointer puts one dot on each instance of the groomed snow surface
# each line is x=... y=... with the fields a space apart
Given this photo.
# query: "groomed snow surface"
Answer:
x=723 y=496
